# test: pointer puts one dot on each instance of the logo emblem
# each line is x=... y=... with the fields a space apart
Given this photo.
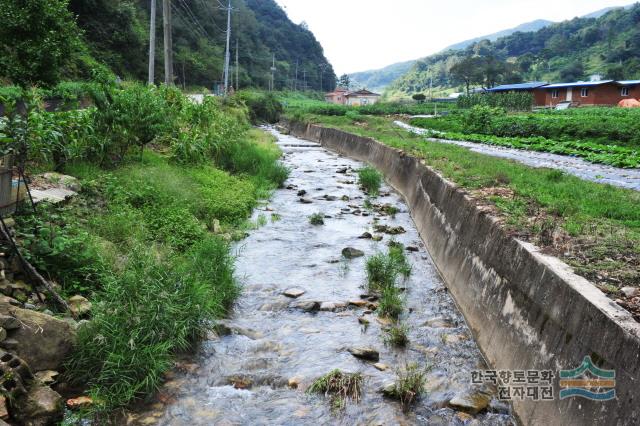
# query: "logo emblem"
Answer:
x=588 y=381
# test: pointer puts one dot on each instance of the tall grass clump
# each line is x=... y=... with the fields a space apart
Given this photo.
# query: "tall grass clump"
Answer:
x=144 y=315
x=396 y=335
x=370 y=179
x=383 y=269
x=409 y=385
x=339 y=387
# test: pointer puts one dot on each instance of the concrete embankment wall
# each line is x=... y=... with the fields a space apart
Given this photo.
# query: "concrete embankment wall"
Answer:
x=527 y=310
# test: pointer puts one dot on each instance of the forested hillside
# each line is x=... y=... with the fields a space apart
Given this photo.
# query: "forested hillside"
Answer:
x=115 y=33
x=570 y=50
x=377 y=80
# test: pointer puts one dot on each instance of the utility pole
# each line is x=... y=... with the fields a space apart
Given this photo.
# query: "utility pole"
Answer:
x=227 y=55
x=295 y=82
x=152 y=43
x=273 y=73
x=237 y=68
x=168 y=43
x=322 y=67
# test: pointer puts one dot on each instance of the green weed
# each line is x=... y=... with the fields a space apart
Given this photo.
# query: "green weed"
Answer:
x=370 y=179
x=316 y=219
x=396 y=335
x=339 y=387
x=409 y=385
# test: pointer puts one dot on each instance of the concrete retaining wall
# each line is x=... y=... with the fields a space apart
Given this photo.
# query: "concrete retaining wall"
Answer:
x=526 y=310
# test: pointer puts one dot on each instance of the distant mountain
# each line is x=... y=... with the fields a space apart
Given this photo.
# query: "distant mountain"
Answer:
x=377 y=80
x=608 y=45
x=526 y=27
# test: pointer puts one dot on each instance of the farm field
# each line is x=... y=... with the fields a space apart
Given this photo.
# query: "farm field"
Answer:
x=599 y=135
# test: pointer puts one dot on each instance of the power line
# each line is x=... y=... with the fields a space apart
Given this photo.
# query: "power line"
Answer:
x=193 y=17
x=194 y=30
x=211 y=16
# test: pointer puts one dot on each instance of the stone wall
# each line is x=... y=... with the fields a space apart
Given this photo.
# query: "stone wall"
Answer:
x=526 y=310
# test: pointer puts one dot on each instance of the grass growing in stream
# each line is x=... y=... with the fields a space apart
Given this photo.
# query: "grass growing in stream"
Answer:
x=339 y=387
x=593 y=227
x=396 y=335
x=383 y=271
x=370 y=179
x=409 y=385
x=316 y=219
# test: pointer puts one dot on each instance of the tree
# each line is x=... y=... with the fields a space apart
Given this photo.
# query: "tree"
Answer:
x=468 y=71
x=572 y=72
x=345 y=81
x=38 y=39
x=420 y=97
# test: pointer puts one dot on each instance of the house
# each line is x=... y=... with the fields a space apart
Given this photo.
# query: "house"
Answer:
x=361 y=97
x=539 y=97
x=580 y=93
x=337 y=96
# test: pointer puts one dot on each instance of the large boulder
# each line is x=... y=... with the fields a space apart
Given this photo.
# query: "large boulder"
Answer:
x=41 y=406
x=42 y=341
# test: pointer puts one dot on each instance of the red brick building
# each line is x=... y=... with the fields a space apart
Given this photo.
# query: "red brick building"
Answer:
x=581 y=93
x=587 y=93
x=337 y=96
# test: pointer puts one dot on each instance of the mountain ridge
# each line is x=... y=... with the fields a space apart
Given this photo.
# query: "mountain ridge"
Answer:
x=379 y=79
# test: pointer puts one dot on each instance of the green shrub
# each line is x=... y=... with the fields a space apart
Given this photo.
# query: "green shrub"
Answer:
x=144 y=315
x=479 y=119
x=61 y=250
x=370 y=179
x=264 y=107
x=517 y=101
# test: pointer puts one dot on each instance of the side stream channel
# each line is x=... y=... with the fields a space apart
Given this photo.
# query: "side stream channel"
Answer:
x=273 y=347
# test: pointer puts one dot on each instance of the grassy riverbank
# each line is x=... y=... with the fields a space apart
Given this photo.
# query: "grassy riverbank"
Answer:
x=148 y=244
x=166 y=186
x=593 y=227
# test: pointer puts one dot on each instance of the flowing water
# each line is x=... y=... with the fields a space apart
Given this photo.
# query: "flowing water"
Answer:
x=247 y=374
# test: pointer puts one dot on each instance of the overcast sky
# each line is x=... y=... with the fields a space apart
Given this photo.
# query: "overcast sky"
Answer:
x=359 y=35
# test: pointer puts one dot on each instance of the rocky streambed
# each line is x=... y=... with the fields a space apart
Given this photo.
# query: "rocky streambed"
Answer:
x=305 y=311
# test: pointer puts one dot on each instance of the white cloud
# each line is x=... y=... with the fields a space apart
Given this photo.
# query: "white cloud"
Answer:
x=364 y=34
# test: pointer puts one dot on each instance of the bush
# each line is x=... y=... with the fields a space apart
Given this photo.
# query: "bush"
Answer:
x=264 y=107
x=479 y=119
x=144 y=315
x=41 y=38
x=370 y=179
x=61 y=250
x=517 y=101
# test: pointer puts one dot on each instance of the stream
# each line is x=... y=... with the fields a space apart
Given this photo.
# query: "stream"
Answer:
x=255 y=369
